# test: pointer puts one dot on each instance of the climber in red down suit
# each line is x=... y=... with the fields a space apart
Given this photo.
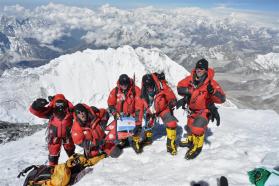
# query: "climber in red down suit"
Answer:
x=124 y=100
x=200 y=92
x=89 y=131
x=58 y=111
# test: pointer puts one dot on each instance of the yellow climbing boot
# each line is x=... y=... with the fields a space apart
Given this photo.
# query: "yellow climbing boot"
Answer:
x=148 y=137
x=196 y=148
x=136 y=144
x=188 y=142
x=171 y=137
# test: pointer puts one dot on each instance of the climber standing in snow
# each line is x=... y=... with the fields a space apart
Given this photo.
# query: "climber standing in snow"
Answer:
x=159 y=101
x=58 y=111
x=123 y=101
x=200 y=91
x=89 y=131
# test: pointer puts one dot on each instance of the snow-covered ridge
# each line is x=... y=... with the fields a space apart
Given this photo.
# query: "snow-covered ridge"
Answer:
x=184 y=34
x=268 y=62
x=85 y=76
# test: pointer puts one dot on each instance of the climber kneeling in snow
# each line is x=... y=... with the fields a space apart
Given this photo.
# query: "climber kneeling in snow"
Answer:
x=200 y=92
x=89 y=131
x=159 y=100
x=124 y=101
x=60 y=123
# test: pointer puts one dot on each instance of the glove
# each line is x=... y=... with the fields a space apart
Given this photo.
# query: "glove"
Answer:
x=172 y=104
x=87 y=144
x=183 y=101
x=50 y=98
x=103 y=124
x=214 y=114
x=39 y=103
x=76 y=159
x=210 y=88
x=116 y=115
x=137 y=130
x=161 y=76
x=94 y=160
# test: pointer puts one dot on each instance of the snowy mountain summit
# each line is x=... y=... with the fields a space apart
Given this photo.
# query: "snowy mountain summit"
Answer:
x=245 y=139
x=86 y=76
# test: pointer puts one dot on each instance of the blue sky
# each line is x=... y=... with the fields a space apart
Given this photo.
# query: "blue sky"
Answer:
x=256 y=5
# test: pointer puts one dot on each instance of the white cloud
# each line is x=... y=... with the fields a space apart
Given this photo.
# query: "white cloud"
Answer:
x=59 y=19
x=149 y=26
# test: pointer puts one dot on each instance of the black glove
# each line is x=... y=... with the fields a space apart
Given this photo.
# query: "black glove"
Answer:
x=214 y=114
x=210 y=88
x=172 y=104
x=137 y=130
x=50 y=98
x=103 y=124
x=161 y=76
x=39 y=103
x=183 y=101
x=87 y=144
x=113 y=112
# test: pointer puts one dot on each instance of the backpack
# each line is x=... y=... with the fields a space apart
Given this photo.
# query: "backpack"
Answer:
x=46 y=176
x=38 y=175
x=62 y=174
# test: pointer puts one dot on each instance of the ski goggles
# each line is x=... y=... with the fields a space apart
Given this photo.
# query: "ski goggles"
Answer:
x=60 y=104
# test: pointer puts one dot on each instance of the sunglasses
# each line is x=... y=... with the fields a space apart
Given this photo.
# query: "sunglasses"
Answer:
x=79 y=112
x=200 y=68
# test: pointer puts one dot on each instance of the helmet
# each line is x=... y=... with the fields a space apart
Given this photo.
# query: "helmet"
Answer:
x=124 y=79
x=148 y=81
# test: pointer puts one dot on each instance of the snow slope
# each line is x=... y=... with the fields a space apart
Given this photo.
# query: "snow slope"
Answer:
x=86 y=76
x=244 y=140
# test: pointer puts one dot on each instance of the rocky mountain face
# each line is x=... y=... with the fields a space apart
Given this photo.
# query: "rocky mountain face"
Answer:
x=13 y=131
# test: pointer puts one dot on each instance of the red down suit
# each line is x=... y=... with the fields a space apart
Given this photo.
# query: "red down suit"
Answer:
x=200 y=99
x=59 y=129
x=91 y=134
x=164 y=99
x=126 y=103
